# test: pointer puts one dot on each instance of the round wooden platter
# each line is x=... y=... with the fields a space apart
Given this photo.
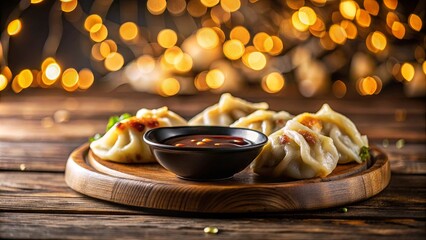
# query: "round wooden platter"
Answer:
x=152 y=186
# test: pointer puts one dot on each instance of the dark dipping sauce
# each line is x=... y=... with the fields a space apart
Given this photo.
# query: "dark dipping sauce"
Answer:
x=208 y=141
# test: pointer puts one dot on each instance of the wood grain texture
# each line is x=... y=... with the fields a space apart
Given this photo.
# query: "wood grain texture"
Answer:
x=160 y=227
x=159 y=189
x=405 y=197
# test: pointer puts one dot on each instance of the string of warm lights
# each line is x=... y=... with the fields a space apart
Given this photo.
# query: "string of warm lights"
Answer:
x=219 y=45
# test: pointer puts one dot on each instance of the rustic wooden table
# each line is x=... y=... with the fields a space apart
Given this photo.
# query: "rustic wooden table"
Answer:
x=39 y=129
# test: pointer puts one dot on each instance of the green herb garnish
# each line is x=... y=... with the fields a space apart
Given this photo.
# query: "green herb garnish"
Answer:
x=111 y=122
x=364 y=154
x=96 y=137
x=115 y=119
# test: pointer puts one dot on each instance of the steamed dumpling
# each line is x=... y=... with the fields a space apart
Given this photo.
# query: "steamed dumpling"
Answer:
x=227 y=111
x=341 y=129
x=164 y=115
x=298 y=152
x=124 y=141
x=264 y=121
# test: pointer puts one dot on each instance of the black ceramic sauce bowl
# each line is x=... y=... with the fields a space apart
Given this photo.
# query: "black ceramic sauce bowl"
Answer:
x=204 y=164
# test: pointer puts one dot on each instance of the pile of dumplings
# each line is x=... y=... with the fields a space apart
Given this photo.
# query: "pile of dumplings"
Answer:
x=303 y=146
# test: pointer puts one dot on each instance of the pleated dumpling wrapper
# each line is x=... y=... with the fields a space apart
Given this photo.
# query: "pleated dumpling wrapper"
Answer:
x=226 y=111
x=351 y=145
x=124 y=141
x=298 y=152
x=264 y=121
x=164 y=115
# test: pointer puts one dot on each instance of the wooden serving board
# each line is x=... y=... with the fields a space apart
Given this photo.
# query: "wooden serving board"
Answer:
x=152 y=186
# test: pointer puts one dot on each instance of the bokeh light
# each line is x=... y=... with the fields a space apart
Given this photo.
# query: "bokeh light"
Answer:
x=215 y=78
x=99 y=35
x=14 y=27
x=70 y=78
x=378 y=40
x=173 y=55
x=104 y=49
x=424 y=67
x=96 y=52
x=156 y=7
x=207 y=38
x=240 y=33
x=219 y=45
x=3 y=82
x=407 y=71
x=68 y=6
x=169 y=87
x=372 y=7
x=307 y=16
x=53 y=71
x=263 y=42
x=93 y=23
x=297 y=24
x=256 y=60
x=338 y=34
x=415 y=22
x=25 y=78
x=318 y=28
x=277 y=46
x=348 y=9
x=196 y=9
x=398 y=30
x=391 y=4
x=185 y=63
x=230 y=5
x=391 y=18
x=295 y=4
x=273 y=82
x=369 y=85
x=200 y=81
x=7 y=73
x=209 y=3
x=233 y=49
x=128 y=31
x=167 y=38
x=176 y=7
x=114 y=61
x=350 y=29
x=339 y=89
x=85 y=78
x=363 y=18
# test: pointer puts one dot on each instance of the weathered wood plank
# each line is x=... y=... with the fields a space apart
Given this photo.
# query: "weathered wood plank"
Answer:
x=407 y=159
x=35 y=156
x=29 y=225
x=405 y=197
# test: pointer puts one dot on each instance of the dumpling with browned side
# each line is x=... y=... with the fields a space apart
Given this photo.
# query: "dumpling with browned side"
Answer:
x=226 y=111
x=296 y=151
x=124 y=143
x=352 y=146
x=166 y=116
